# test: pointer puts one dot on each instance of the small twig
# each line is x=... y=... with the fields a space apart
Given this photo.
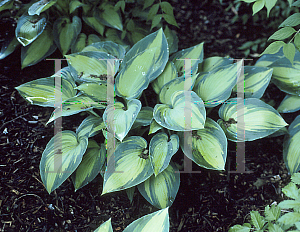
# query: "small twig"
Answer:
x=12 y=120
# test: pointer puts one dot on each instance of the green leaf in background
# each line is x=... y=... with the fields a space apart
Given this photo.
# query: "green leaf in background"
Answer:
x=290 y=204
x=132 y=79
x=157 y=221
x=91 y=66
x=289 y=218
x=129 y=166
x=109 y=47
x=119 y=119
x=297 y=41
x=257 y=6
x=75 y=105
x=57 y=164
x=29 y=27
x=109 y=17
x=105 y=227
x=213 y=63
x=269 y=5
x=40 y=6
x=195 y=53
x=40 y=48
x=215 y=87
x=94 y=23
x=6 y=4
x=161 y=151
x=130 y=193
x=257 y=220
x=208 y=146
x=290 y=104
x=287 y=76
x=178 y=84
x=296 y=178
x=273 y=48
x=154 y=126
x=93 y=39
x=256 y=80
x=291 y=21
x=91 y=164
x=291 y=146
x=172 y=40
x=42 y=91
x=273 y=213
x=144 y=117
x=80 y=43
x=75 y=4
x=65 y=32
x=239 y=228
x=161 y=190
x=260 y=119
x=289 y=51
x=156 y=20
x=282 y=33
x=8 y=47
x=167 y=75
x=173 y=117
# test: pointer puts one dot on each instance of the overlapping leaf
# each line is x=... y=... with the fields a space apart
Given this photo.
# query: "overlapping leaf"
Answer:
x=161 y=190
x=109 y=17
x=291 y=147
x=252 y=119
x=105 y=227
x=65 y=32
x=61 y=157
x=40 y=6
x=161 y=151
x=206 y=147
x=212 y=63
x=119 y=120
x=29 y=27
x=184 y=104
x=215 y=87
x=109 y=47
x=129 y=166
x=291 y=103
x=8 y=47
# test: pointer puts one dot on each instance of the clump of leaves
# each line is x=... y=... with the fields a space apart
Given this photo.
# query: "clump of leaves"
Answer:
x=282 y=217
x=69 y=25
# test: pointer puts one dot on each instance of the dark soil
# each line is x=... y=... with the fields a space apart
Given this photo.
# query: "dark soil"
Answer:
x=206 y=201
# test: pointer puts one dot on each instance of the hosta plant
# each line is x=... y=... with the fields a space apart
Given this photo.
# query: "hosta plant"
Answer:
x=147 y=103
x=278 y=218
x=69 y=25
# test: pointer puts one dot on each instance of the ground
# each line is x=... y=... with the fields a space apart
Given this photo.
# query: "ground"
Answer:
x=206 y=201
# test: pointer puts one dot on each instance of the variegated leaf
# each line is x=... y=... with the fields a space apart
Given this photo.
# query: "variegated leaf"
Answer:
x=129 y=166
x=161 y=190
x=212 y=63
x=109 y=47
x=105 y=227
x=252 y=119
x=290 y=104
x=40 y=6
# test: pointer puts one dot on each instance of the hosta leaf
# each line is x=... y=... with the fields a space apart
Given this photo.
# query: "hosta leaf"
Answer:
x=97 y=91
x=144 y=117
x=291 y=103
x=8 y=47
x=42 y=91
x=167 y=75
x=129 y=166
x=75 y=4
x=66 y=74
x=256 y=80
x=6 y=4
x=215 y=87
x=90 y=165
x=75 y=105
x=157 y=43
x=132 y=79
x=287 y=76
x=161 y=151
x=172 y=40
x=154 y=126
x=178 y=84
x=93 y=39
x=119 y=120
x=58 y=163
x=80 y=43
x=65 y=32
x=289 y=218
x=30 y=27
x=182 y=103
x=157 y=221
x=291 y=147
x=207 y=147
x=109 y=17
x=93 y=124
x=161 y=190
x=212 y=63
x=109 y=47
x=40 y=6
x=268 y=59
x=91 y=65
x=105 y=227
x=95 y=24
x=260 y=119
x=40 y=48
x=195 y=53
